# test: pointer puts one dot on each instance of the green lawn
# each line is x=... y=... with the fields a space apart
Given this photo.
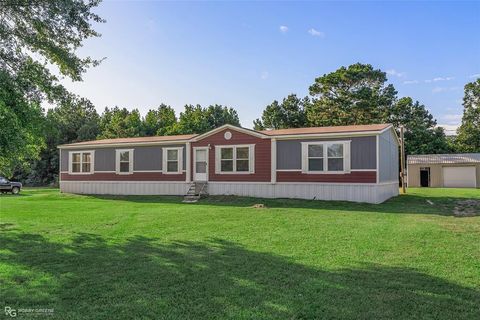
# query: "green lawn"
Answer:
x=93 y=257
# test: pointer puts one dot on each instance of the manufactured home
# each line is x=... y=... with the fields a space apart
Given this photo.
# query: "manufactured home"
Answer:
x=353 y=163
x=444 y=170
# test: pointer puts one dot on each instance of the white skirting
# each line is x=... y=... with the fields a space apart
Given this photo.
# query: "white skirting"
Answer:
x=371 y=193
x=125 y=187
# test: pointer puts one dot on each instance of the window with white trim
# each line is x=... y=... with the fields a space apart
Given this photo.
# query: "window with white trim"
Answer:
x=173 y=160
x=242 y=159
x=81 y=162
x=226 y=159
x=315 y=157
x=234 y=159
x=335 y=157
x=124 y=161
x=326 y=157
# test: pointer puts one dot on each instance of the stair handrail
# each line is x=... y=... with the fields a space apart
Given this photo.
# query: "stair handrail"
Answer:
x=203 y=187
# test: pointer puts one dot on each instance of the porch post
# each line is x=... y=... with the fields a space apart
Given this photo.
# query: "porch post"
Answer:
x=188 y=163
x=273 y=160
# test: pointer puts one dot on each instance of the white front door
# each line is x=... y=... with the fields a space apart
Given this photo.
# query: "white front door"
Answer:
x=200 y=164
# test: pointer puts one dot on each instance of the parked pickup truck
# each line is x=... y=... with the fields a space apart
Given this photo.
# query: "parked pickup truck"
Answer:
x=9 y=186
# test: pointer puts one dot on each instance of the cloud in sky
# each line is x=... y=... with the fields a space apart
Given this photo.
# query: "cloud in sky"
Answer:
x=443 y=79
x=283 y=29
x=443 y=89
x=450 y=129
x=439 y=79
x=452 y=118
x=393 y=72
x=450 y=123
x=264 y=75
x=436 y=79
x=316 y=33
x=476 y=75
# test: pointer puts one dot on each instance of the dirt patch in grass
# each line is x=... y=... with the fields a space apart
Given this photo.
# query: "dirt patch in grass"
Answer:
x=467 y=208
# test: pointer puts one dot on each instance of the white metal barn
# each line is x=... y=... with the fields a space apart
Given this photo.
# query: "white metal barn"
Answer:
x=444 y=170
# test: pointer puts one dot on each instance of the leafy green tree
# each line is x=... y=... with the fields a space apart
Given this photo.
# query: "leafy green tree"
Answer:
x=468 y=139
x=160 y=121
x=357 y=94
x=288 y=114
x=22 y=122
x=218 y=115
x=422 y=136
x=53 y=30
x=74 y=121
x=191 y=120
x=195 y=119
x=34 y=35
x=452 y=143
x=120 y=123
x=353 y=95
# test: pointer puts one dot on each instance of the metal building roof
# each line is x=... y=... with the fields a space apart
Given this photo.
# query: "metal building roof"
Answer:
x=444 y=158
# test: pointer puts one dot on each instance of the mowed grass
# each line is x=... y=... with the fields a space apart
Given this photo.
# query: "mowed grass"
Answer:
x=93 y=257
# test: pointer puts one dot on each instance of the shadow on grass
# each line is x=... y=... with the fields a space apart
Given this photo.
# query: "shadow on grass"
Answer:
x=405 y=204
x=10 y=195
x=96 y=278
x=6 y=226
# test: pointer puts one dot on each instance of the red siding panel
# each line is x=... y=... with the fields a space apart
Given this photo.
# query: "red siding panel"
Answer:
x=262 y=156
x=111 y=176
x=353 y=177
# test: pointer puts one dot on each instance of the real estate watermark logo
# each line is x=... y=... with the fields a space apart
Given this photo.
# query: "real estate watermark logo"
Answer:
x=9 y=311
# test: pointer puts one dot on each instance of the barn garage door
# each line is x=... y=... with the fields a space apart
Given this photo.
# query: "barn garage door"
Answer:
x=459 y=177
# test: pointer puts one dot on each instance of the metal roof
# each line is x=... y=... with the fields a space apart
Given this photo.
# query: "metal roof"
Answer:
x=132 y=140
x=444 y=158
x=333 y=129
x=354 y=129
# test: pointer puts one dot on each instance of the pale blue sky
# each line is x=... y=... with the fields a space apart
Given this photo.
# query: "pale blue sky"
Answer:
x=246 y=54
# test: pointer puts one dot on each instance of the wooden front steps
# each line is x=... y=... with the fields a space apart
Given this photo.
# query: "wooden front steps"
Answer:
x=196 y=191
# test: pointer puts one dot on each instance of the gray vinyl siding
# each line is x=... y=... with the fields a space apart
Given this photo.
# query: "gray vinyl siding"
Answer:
x=388 y=157
x=289 y=154
x=104 y=159
x=147 y=158
x=63 y=160
x=150 y=158
x=363 y=155
x=144 y=158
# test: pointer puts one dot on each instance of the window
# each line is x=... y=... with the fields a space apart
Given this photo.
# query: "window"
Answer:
x=335 y=157
x=235 y=159
x=315 y=157
x=76 y=162
x=172 y=160
x=226 y=160
x=124 y=161
x=81 y=162
x=242 y=159
x=326 y=157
